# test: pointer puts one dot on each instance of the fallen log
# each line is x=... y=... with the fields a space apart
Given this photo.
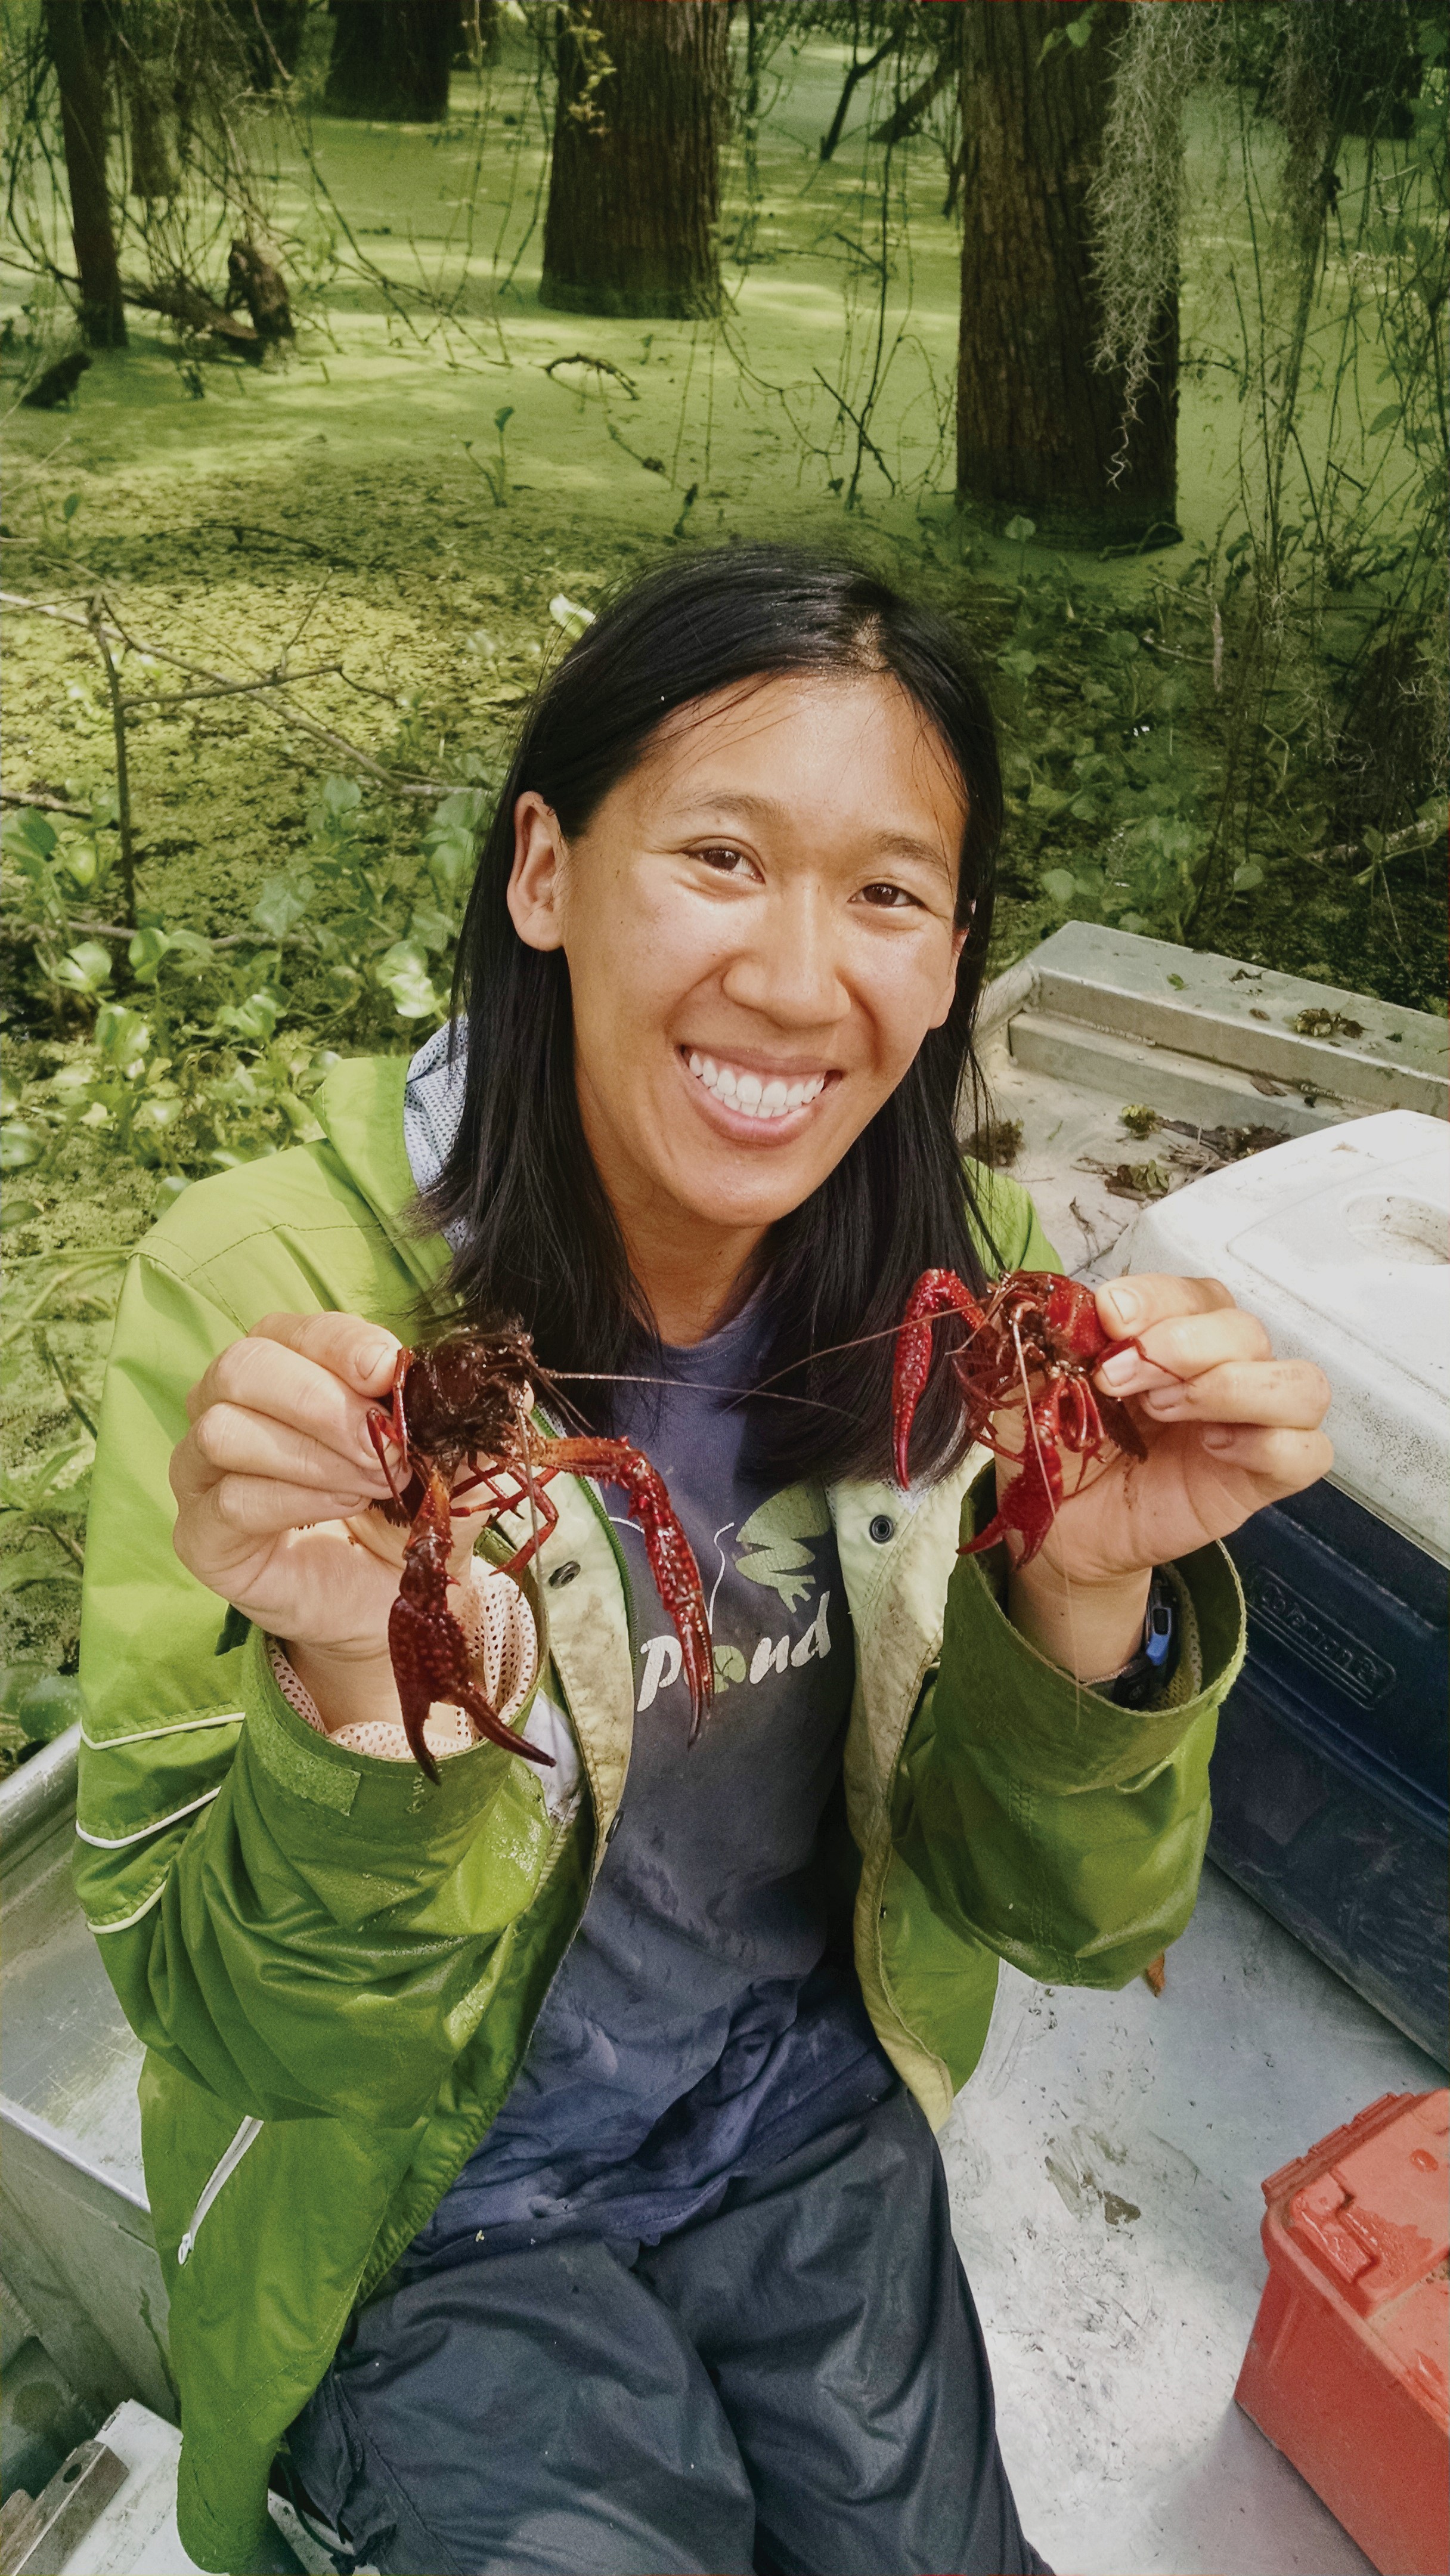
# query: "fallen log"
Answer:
x=195 y=311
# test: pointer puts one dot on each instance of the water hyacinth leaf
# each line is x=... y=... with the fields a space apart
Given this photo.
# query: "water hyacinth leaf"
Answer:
x=281 y=904
x=85 y=969
x=122 y=1036
x=82 y=863
x=403 y=973
x=256 y=1018
x=466 y=810
x=15 y=1680
x=19 y=1145
x=1020 y=529
x=432 y=930
x=449 y=860
x=568 y=614
x=29 y=833
x=1060 y=886
x=50 y=1706
x=1247 y=877
x=1019 y=661
x=146 y=952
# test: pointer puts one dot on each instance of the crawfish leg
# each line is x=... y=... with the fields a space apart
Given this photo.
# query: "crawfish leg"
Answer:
x=546 y=1519
x=426 y=1646
x=671 y=1557
x=1032 y=1500
x=937 y=1292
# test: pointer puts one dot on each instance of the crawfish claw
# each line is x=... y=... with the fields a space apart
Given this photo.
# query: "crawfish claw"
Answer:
x=937 y=1292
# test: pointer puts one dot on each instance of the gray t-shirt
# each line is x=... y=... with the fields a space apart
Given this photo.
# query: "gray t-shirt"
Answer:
x=696 y=2029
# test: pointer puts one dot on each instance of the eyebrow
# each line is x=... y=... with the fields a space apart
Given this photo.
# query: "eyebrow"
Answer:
x=769 y=809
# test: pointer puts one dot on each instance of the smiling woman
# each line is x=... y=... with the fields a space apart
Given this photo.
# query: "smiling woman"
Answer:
x=720 y=965
x=542 y=2150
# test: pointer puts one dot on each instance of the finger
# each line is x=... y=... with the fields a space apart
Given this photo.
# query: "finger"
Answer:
x=249 y=1507
x=363 y=1355
x=1148 y=1297
x=1286 y=1394
x=263 y=1376
x=196 y=1482
x=233 y=1440
x=1283 y=1462
x=1184 y=1347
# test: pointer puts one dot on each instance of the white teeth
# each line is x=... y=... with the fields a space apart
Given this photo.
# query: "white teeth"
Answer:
x=748 y=1096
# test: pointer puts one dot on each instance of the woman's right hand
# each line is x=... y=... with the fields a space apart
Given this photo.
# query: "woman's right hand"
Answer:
x=273 y=1484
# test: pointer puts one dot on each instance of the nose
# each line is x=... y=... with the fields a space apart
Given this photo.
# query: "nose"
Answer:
x=790 y=969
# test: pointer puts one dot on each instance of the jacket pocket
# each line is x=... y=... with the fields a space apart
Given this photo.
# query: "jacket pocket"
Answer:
x=216 y=2182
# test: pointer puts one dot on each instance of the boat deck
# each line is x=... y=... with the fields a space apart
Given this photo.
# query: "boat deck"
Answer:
x=1105 y=2164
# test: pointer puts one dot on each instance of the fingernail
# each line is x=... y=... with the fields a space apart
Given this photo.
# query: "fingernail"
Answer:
x=1219 y=1435
x=1118 y=1372
x=1127 y=1304
x=1164 y=1401
x=369 y=1357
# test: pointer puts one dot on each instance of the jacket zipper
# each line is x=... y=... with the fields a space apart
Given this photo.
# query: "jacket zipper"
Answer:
x=218 y=2179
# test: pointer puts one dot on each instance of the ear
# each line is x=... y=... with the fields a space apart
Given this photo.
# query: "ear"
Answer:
x=949 y=989
x=536 y=885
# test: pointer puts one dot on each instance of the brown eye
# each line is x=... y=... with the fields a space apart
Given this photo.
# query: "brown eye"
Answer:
x=889 y=898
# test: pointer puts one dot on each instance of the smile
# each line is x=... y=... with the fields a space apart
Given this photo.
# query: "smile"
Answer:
x=752 y=1096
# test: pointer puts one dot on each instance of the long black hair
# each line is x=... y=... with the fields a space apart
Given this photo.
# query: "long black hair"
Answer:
x=537 y=1238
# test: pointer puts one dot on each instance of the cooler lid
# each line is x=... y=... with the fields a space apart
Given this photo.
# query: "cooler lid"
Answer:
x=1340 y=1242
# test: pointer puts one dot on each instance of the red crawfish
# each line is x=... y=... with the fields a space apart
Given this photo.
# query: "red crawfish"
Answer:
x=1038 y=1326
x=459 y=1423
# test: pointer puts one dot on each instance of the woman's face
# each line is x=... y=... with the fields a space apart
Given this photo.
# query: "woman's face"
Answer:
x=759 y=926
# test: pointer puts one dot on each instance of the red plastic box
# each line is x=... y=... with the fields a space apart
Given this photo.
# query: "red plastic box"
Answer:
x=1348 y=2366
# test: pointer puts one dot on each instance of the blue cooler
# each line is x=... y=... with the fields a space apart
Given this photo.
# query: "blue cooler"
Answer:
x=1330 y=1775
x=1329 y=1778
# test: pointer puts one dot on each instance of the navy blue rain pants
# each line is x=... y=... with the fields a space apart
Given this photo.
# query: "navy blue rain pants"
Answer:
x=795 y=2385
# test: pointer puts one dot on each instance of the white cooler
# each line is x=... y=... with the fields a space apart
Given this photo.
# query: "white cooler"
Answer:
x=1329 y=1781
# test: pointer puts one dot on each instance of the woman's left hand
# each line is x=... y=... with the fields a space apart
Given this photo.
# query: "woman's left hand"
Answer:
x=1227 y=1428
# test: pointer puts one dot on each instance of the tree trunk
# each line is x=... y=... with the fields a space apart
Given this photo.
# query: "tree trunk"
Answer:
x=634 y=193
x=1039 y=429
x=391 y=59
x=72 y=34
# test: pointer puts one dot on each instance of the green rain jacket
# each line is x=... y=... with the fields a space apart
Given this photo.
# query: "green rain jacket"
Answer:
x=335 y=1967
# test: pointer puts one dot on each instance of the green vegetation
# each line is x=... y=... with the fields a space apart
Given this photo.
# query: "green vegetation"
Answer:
x=326 y=582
